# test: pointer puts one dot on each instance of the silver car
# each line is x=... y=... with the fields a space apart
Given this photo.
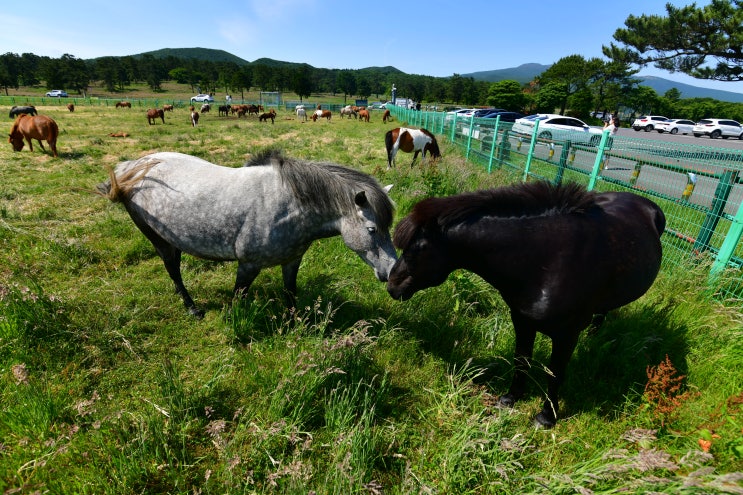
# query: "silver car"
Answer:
x=558 y=127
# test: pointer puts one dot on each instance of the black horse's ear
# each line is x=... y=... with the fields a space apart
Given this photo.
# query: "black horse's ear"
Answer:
x=360 y=199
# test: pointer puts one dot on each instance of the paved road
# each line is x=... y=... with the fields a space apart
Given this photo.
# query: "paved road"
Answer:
x=729 y=143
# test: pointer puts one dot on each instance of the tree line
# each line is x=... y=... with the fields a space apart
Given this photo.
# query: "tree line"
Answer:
x=704 y=42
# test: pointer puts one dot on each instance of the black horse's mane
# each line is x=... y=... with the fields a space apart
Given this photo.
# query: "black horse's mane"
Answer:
x=327 y=186
x=517 y=201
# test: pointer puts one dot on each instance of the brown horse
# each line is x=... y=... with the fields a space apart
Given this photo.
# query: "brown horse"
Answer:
x=123 y=104
x=153 y=114
x=71 y=107
x=386 y=116
x=364 y=115
x=194 y=118
x=167 y=108
x=38 y=127
x=410 y=140
x=271 y=114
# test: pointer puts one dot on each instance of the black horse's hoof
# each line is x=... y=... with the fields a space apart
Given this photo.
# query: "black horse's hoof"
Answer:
x=545 y=421
x=196 y=313
x=506 y=401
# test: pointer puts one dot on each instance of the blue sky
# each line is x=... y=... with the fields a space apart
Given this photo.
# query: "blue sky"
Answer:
x=432 y=37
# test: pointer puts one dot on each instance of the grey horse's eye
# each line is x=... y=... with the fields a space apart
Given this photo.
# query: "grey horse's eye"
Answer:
x=372 y=230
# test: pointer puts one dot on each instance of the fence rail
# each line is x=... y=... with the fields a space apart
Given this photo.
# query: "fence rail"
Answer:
x=699 y=188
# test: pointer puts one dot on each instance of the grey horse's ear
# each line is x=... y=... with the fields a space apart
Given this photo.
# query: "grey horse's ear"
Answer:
x=387 y=188
x=360 y=199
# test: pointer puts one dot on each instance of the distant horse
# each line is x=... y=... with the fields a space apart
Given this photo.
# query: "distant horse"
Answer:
x=321 y=114
x=224 y=110
x=386 y=116
x=253 y=109
x=558 y=255
x=194 y=118
x=265 y=214
x=34 y=127
x=153 y=114
x=167 y=108
x=205 y=108
x=16 y=111
x=364 y=115
x=301 y=113
x=348 y=110
x=123 y=104
x=271 y=114
x=71 y=107
x=410 y=140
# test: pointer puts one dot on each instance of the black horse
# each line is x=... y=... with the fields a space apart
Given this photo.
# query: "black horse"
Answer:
x=558 y=255
x=15 y=111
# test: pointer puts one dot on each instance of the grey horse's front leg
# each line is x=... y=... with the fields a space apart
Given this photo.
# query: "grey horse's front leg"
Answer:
x=289 y=272
x=246 y=273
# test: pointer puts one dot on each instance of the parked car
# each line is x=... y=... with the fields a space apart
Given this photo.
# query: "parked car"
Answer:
x=459 y=114
x=675 y=126
x=504 y=116
x=648 y=122
x=715 y=128
x=57 y=93
x=559 y=127
x=377 y=105
x=481 y=112
x=202 y=98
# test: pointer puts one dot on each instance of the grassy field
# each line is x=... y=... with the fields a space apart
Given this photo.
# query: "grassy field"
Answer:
x=108 y=385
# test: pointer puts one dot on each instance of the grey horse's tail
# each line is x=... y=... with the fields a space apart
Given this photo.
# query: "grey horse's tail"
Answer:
x=118 y=189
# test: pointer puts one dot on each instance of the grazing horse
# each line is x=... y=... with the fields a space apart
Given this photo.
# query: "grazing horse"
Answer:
x=348 y=110
x=386 y=116
x=34 y=127
x=16 y=111
x=271 y=114
x=363 y=115
x=194 y=118
x=558 y=255
x=320 y=114
x=153 y=114
x=167 y=108
x=253 y=109
x=264 y=214
x=224 y=110
x=205 y=108
x=410 y=140
x=123 y=104
x=71 y=107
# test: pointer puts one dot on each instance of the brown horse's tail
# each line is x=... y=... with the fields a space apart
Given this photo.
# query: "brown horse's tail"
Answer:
x=118 y=189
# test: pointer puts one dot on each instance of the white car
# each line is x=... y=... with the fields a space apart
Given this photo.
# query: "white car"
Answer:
x=715 y=128
x=57 y=93
x=676 y=126
x=202 y=98
x=648 y=122
x=460 y=114
x=558 y=127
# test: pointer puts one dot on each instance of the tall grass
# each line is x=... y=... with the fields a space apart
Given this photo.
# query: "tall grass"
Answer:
x=107 y=385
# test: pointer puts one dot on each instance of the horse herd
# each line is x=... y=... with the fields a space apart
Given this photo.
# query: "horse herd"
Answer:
x=560 y=256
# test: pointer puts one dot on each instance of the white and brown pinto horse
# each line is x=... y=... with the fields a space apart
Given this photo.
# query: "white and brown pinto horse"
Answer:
x=36 y=127
x=320 y=114
x=410 y=140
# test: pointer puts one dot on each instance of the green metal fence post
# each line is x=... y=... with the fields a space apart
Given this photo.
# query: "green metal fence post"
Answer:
x=728 y=245
x=722 y=192
x=453 y=128
x=469 y=138
x=599 y=159
x=504 y=149
x=562 y=163
x=492 y=145
x=532 y=145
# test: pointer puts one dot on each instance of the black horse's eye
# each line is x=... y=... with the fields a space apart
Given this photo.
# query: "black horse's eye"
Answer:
x=371 y=230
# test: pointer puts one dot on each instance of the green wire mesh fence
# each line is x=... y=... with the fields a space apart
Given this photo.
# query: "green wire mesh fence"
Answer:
x=699 y=188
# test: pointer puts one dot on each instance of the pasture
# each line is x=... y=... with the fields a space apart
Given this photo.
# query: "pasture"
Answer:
x=109 y=386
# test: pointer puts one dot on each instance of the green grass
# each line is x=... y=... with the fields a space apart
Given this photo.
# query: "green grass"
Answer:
x=107 y=385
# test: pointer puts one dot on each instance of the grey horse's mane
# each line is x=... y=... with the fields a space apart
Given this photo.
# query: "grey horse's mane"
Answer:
x=323 y=186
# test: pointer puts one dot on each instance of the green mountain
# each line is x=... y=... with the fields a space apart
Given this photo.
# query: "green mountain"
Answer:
x=526 y=72
x=522 y=74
